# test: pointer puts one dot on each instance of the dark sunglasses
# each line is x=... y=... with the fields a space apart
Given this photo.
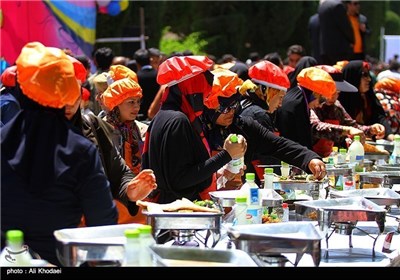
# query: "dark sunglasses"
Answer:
x=226 y=110
x=321 y=99
x=365 y=74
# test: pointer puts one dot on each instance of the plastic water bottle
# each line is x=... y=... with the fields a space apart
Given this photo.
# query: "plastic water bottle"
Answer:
x=146 y=240
x=269 y=178
x=252 y=192
x=15 y=253
x=395 y=156
x=356 y=154
x=240 y=210
x=285 y=216
x=236 y=164
x=285 y=169
x=132 y=247
x=342 y=156
x=334 y=155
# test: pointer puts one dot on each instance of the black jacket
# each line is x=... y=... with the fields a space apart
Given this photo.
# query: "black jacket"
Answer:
x=336 y=32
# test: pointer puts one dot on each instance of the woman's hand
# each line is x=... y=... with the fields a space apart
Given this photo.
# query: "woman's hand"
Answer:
x=317 y=168
x=378 y=130
x=142 y=185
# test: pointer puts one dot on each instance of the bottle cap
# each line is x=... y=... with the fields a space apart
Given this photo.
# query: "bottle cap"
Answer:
x=342 y=150
x=131 y=233
x=396 y=137
x=334 y=149
x=234 y=138
x=250 y=176
x=284 y=163
x=357 y=138
x=285 y=205
x=145 y=229
x=268 y=170
x=15 y=235
x=241 y=199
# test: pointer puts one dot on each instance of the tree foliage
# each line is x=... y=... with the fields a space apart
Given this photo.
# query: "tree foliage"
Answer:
x=237 y=27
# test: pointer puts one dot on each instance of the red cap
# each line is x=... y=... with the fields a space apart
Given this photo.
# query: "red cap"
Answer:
x=270 y=75
x=8 y=76
x=180 y=68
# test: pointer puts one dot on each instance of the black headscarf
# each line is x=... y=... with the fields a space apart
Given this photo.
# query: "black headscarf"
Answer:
x=31 y=140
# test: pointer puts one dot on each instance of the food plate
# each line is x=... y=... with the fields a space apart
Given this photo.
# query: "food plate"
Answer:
x=101 y=244
x=380 y=196
x=269 y=198
x=186 y=256
x=289 y=237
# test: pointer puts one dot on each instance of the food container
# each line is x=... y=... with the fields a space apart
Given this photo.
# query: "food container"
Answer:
x=380 y=196
x=352 y=209
x=92 y=246
x=388 y=167
x=186 y=223
x=186 y=256
x=290 y=237
x=269 y=198
x=383 y=144
x=385 y=179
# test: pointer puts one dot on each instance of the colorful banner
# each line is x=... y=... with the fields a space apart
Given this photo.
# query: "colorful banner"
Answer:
x=62 y=24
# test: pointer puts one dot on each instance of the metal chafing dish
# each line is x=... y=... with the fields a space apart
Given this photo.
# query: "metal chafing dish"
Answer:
x=388 y=167
x=183 y=226
x=376 y=157
x=95 y=246
x=189 y=256
x=290 y=237
x=311 y=188
x=269 y=198
x=384 y=144
x=380 y=196
x=385 y=179
x=342 y=214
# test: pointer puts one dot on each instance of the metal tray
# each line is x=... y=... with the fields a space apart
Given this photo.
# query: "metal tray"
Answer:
x=385 y=179
x=186 y=256
x=289 y=237
x=269 y=198
x=388 y=167
x=183 y=220
x=385 y=144
x=380 y=196
x=338 y=210
x=101 y=244
x=376 y=156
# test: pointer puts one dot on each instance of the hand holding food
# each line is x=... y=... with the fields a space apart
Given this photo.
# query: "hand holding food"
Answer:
x=317 y=168
x=142 y=185
x=378 y=130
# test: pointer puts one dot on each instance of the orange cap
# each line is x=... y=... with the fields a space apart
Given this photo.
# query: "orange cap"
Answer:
x=388 y=84
x=47 y=76
x=118 y=72
x=120 y=90
x=225 y=84
x=177 y=69
x=317 y=80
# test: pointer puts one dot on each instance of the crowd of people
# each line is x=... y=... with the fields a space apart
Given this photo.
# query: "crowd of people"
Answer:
x=80 y=148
